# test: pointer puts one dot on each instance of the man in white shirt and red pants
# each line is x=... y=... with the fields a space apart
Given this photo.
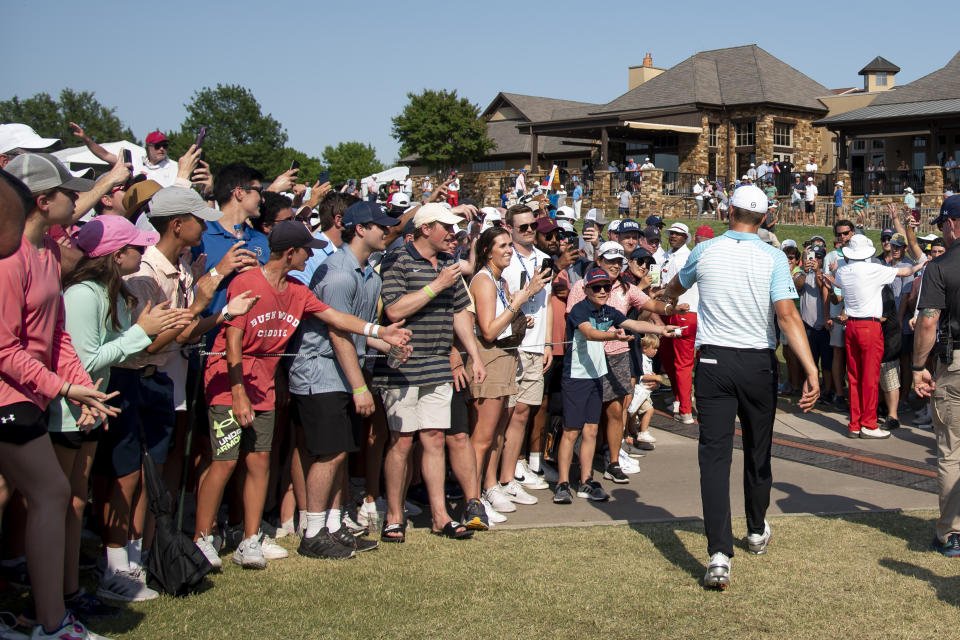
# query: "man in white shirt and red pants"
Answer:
x=677 y=354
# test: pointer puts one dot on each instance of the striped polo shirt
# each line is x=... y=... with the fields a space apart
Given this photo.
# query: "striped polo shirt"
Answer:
x=406 y=271
x=740 y=277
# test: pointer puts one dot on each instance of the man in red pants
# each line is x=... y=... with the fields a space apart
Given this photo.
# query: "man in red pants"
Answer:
x=861 y=282
x=677 y=354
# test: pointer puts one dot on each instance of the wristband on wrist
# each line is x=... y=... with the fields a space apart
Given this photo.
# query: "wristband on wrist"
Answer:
x=214 y=273
x=360 y=390
x=920 y=368
x=67 y=392
x=367 y=328
x=427 y=290
x=375 y=331
x=226 y=315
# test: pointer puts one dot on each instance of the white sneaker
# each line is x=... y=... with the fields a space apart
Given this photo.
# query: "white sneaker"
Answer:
x=646 y=436
x=627 y=464
x=271 y=550
x=205 y=544
x=499 y=500
x=684 y=418
x=70 y=629
x=676 y=409
x=529 y=478
x=718 y=572
x=369 y=516
x=126 y=586
x=516 y=493
x=7 y=631
x=876 y=434
x=249 y=555
x=285 y=529
x=757 y=542
x=493 y=516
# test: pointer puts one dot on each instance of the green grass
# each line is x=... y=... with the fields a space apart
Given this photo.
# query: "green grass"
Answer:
x=857 y=576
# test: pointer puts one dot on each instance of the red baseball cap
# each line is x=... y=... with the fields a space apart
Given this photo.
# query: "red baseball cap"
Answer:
x=156 y=137
x=704 y=231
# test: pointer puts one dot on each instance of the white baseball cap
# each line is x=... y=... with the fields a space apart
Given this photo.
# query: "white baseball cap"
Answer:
x=596 y=215
x=566 y=213
x=809 y=179
x=611 y=250
x=749 y=197
x=908 y=190
x=679 y=227
x=565 y=225
x=614 y=225
x=789 y=242
x=21 y=136
x=433 y=212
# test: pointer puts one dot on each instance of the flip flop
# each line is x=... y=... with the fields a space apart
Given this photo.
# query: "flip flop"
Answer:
x=394 y=528
x=454 y=530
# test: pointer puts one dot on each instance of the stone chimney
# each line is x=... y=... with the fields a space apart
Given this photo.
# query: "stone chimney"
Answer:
x=638 y=75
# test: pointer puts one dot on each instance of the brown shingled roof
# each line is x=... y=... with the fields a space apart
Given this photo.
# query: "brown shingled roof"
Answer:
x=879 y=64
x=942 y=84
x=535 y=108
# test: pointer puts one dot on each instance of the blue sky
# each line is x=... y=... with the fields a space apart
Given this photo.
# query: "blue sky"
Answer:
x=332 y=72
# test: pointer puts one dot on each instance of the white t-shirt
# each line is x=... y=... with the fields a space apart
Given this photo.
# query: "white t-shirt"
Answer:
x=861 y=283
x=673 y=261
x=408 y=186
x=164 y=174
x=698 y=191
x=538 y=306
x=369 y=186
x=647 y=365
x=810 y=193
x=811 y=168
x=647 y=165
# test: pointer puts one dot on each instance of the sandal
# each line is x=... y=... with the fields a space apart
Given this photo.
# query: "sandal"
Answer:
x=454 y=530
x=390 y=531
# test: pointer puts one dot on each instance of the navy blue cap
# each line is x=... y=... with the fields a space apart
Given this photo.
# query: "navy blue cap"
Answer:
x=651 y=233
x=949 y=209
x=290 y=234
x=364 y=212
x=653 y=221
x=641 y=254
x=628 y=225
x=886 y=233
x=595 y=276
x=408 y=229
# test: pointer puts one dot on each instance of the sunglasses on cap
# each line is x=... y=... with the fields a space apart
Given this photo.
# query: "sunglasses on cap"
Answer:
x=597 y=288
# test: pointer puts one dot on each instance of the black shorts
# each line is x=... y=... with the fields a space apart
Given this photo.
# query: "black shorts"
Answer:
x=144 y=401
x=329 y=421
x=459 y=413
x=551 y=379
x=810 y=207
x=74 y=439
x=22 y=422
x=582 y=402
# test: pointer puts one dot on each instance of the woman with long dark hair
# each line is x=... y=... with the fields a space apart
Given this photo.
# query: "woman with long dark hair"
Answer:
x=97 y=318
x=498 y=332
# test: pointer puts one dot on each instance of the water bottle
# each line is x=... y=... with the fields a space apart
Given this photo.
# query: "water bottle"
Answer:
x=395 y=359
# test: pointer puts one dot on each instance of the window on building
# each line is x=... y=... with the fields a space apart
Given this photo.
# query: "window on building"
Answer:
x=858 y=145
x=560 y=163
x=491 y=165
x=782 y=134
x=665 y=141
x=746 y=134
x=712 y=136
x=877 y=144
x=712 y=165
x=919 y=141
x=881 y=78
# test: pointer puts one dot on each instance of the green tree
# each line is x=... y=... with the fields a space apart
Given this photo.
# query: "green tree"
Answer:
x=50 y=118
x=351 y=160
x=442 y=129
x=237 y=130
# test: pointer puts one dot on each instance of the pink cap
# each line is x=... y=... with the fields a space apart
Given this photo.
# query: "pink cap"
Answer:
x=155 y=137
x=704 y=231
x=107 y=233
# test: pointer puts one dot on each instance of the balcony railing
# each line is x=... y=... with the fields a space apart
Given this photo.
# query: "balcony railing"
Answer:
x=676 y=183
x=887 y=182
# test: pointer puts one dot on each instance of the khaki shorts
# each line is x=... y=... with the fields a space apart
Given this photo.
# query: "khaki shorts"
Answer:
x=227 y=437
x=529 y=380
x=890 y=375
x=411 y=409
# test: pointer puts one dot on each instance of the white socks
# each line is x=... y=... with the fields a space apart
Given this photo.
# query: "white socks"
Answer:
x=315 y=522
x=117 y=560
x=534 y=462
x=333 y=520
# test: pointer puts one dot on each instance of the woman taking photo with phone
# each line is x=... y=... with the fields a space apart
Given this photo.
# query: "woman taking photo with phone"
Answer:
x=499 y=327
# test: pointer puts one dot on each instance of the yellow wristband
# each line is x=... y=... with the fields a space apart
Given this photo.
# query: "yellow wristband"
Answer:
x=362 y=389
x=427 y=290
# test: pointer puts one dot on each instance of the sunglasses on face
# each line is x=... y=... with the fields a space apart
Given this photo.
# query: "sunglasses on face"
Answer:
x=597 y=288
x=524 y=228
x=552 y=235
x=496 y=223
x=258 y=189
x=161 y=145
x=845 y=233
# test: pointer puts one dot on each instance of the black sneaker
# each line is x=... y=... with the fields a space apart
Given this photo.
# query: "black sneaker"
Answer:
x=562 y=494
x=87 y=607
x=323 y=545
x=591 y=490
x=615 y=473
x=350 y=541
x=891 y=424
x=87 y=562
x=17 y=575
x=475 y=516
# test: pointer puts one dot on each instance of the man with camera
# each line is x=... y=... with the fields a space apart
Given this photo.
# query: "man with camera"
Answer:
x=939 y=306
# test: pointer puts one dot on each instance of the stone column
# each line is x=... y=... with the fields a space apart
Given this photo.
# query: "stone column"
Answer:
x=844 y=175
x=932 y=186
x=651 y=194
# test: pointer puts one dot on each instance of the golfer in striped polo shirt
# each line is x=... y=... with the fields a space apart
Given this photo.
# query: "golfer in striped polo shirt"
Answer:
x=744 y=284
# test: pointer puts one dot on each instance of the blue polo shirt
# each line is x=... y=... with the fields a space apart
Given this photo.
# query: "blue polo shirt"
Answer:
x=315 y=260
x=577 y=193
x=739 y=278
x=216 y=241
